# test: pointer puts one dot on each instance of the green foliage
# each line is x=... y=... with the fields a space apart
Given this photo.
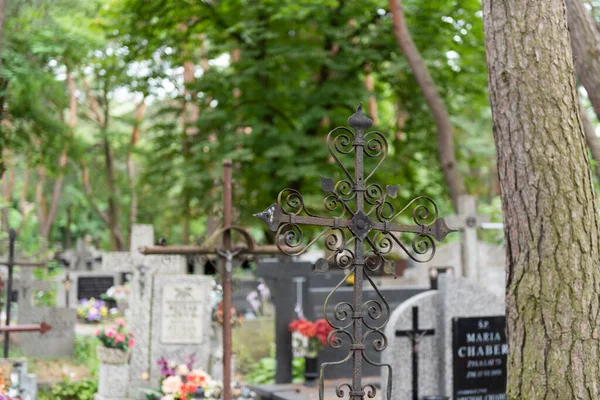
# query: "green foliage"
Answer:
x=264 y=371
x=301 y=72
x=68 y=390
x=85 y=353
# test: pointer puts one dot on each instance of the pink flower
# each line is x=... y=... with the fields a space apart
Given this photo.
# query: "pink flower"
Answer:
x=120 y=322
x=97 y=333
x=110 y=332
x=120 y=338
x=131 y=342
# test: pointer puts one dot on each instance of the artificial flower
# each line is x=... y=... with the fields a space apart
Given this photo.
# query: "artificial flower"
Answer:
x=182 y=370
x=171 y=384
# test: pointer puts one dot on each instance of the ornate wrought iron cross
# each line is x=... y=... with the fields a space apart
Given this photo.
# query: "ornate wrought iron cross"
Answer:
x=360 y=238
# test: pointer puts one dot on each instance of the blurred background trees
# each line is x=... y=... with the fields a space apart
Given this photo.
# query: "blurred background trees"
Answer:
x=115 y=112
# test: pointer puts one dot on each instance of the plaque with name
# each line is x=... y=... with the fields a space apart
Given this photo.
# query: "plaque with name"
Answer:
x=183 y=315
x=479 y=357
x=93 y=286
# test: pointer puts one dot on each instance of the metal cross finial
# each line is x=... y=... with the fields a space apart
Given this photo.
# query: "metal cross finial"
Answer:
x=361 y=233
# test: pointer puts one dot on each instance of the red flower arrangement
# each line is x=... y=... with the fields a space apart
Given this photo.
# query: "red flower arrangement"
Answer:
x=310 y=336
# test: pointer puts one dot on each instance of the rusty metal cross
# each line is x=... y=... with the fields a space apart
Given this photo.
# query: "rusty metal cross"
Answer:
x=11 y=263
x=369 y=220
x=226 y=252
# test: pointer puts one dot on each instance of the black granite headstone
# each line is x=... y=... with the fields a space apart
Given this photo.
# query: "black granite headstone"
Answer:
x=480 y=352
x=93 y=286
x=279 y=277
x=314 y=310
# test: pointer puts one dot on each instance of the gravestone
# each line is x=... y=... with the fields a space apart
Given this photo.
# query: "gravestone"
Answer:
x=491 y=256
x=457 y=297
x=149 y=273
x=58 y=341
x=280 y=280
x=480 y=353
x=314 y=310
x=181 y=320
x=84 y=285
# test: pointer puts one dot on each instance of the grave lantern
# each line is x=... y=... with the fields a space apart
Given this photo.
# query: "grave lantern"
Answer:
x=360 y=232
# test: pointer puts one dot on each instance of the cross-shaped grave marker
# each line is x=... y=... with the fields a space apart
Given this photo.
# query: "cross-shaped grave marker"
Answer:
x=468 y=221
x=415 y=335
x=373 y=227
x=226 y=253
x=10 y=264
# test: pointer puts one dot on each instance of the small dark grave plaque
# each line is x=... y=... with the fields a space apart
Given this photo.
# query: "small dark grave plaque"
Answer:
x=93 y=286
x=480 y=351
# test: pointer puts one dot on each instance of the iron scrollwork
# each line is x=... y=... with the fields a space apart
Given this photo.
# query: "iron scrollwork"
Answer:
x=359 y=237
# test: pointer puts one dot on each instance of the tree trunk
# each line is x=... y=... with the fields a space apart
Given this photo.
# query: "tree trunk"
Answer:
x=114 y=215
x=585 y=42
x=592 y=140
x=552 y=227
x=135 y=137
x=46 y=225
x=190 y=115
x=454 y=179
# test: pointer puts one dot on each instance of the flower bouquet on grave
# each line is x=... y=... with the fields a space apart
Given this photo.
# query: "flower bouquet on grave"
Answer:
x=6 y=392
x=117 y=295
x=92 y=310
x=183 y=382
x=310 y=337
x=116 y=343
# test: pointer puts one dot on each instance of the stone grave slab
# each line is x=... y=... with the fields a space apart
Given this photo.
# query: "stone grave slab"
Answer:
x=438 y=309
x=181 y=320
x=58 y=341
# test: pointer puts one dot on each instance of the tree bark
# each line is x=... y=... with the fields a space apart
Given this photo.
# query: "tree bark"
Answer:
x=592 y=140
x=135 y=137
x=585 y=42
x=552 y=227
x=454 y=179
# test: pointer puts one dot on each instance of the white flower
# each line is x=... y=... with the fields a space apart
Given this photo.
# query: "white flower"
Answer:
x=182 y=370
x=168 y=397
x=171 y=384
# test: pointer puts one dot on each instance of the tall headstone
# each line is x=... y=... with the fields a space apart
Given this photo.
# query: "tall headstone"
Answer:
x=457 y=297
x=181 y=320
x=147 y=272
x=280 y=279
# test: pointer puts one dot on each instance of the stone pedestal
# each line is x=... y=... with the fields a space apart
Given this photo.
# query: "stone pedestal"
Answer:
x=112 y=382
x=113 y=374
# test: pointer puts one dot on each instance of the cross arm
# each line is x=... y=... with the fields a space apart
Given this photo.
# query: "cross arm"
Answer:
x=203 y=250
x=274 y=216
x=415 y=333
x=17 y=263
x=41 y=328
